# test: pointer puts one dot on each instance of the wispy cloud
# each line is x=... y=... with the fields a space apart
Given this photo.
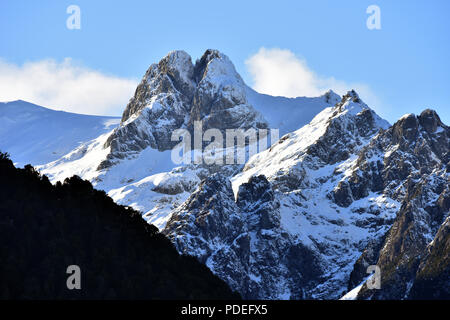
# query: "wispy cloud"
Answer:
x=280 y=72
x=65 y=86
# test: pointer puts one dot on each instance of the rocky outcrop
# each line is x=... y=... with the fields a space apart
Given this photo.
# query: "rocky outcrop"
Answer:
x=396 y=158
x=302 y=219
x=405 y=254
x=332 y=137
x=220 y=98
x=173 y=94
x=348 y=129
x=408 y=163
x=242 y=241
x=159 y=106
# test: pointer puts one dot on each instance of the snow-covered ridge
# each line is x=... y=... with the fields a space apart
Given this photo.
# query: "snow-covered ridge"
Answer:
x=175 y=92
x=408 y=162
x=164 y=101
x=300 y=146
x=37 y=135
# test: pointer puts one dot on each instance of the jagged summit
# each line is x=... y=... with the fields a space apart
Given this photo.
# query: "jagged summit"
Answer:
x=331 y=97
x=426 y=127
x=180 y=62
x=174 y=93
x=203 y=64
x=291 y=222
x=331 y=137
x=173 y=76
x=176 y=72
x=412 y=147
x=351 y=102
x=429 y=119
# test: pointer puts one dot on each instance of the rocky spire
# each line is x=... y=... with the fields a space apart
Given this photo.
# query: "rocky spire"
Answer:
x=173 y=94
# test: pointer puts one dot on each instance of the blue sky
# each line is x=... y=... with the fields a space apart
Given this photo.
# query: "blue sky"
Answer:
x=405 y=65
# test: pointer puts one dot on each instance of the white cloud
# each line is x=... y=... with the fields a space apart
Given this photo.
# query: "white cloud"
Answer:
x=65 y=86
x=280 y=72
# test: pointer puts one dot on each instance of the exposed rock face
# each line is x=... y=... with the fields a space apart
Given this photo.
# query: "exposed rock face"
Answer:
x=220 y=99
x=272 y=243
x=368 y=258
x=346 y=134
x=160 y=105
x=173 y=94
x=242 y=241
x=409 y=163
x=433 y=275
x=173 y=75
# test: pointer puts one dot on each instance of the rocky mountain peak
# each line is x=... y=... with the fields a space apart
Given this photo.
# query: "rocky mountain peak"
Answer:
x=430 y=120
x=222 y=91
x=176 y=74
x=177 y=60
x=202 y=63
x=353 y=95
x=351 y=102
x=350 y=125
x=220 y=100
x=256 y=189
x=178 y=66
x=331 y=97
x=173 y=94
x=405 y=128
x=406 y=151
x=410 y=126
x=333 y=136
x=423 y=131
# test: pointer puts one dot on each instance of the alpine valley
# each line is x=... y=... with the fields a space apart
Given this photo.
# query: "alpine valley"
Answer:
x=341 y=190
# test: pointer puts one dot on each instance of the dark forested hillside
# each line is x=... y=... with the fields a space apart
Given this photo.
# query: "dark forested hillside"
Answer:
x=44 y=228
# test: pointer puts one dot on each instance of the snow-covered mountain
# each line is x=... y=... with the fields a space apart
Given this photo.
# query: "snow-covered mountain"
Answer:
x=174 y=93
x=305 y=218
x=37 y=135
x=342 y=189
x=410 y=163
x=284 y=236
x=133 y=162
